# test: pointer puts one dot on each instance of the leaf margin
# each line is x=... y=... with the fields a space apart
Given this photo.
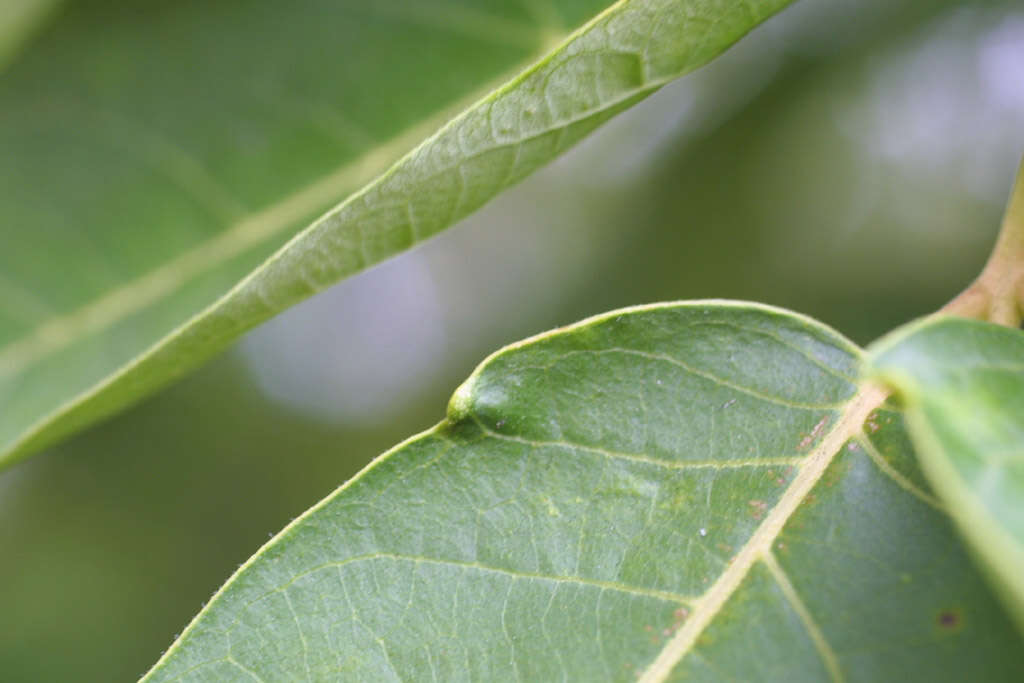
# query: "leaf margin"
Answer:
x=865 y=399
x=130 y=382
x=961 y=502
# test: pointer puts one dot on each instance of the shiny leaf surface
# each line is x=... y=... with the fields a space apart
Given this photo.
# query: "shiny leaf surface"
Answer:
x=685 y=491
x=170 y=174
x=963 y=385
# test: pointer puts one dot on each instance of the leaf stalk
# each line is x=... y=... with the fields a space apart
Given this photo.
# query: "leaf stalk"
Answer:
x=997 y=295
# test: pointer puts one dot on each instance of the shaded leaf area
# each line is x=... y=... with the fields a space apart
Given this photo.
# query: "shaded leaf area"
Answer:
x=154 y=157
x=963 y=385
x=596 y=490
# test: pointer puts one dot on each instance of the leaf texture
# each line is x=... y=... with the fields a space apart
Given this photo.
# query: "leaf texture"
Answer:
x=690 y=491
x=172 y=172
x=963 y=385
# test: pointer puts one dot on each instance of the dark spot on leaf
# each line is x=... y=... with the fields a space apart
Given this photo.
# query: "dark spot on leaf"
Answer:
x=949 y=619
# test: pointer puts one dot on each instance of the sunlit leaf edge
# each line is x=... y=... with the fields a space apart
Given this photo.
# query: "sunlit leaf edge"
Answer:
x=858 y=407
x=292 y=278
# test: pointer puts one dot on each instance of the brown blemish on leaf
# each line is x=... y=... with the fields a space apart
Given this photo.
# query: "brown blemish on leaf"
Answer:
x=758 y=508
x=835 y=473
x=949 y=620
x=785 y=476
x=871 y=423
x=817 y=431
x=678 y=617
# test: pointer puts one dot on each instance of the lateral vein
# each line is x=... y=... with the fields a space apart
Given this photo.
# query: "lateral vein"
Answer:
x=759 y=544
x=828 y=656
x=720 y=464
x=888 y=470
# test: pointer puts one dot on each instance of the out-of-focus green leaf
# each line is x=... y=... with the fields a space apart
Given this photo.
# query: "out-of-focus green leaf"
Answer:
x=673 y=491
x=19 y=19
x=963 y=385
x=156 y=159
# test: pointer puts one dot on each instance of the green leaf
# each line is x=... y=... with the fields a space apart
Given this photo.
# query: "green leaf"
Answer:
x=963 y=385
x=168 y=173
x=672 y=491
x=19 y=19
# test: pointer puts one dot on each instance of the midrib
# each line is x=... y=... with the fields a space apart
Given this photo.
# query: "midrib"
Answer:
x=136 y=295
x=710 y=604
x=130 y=298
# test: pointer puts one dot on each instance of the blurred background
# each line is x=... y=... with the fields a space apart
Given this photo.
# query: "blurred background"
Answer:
x=849 y=160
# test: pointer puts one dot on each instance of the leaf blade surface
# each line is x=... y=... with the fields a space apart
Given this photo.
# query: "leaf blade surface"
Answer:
x=963 y=383
x=600 y=491
x=172 y=176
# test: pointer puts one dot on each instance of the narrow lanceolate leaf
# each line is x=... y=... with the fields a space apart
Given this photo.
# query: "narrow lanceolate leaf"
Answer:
x=963 y=385
x=693 y=491
x=155 y=163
